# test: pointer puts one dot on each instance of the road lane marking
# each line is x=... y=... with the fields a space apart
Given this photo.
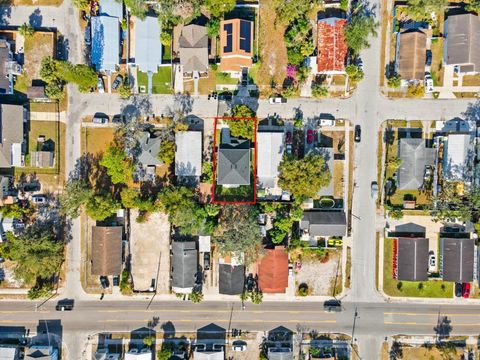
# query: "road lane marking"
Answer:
x=18 y=322
x=224 y=321
x=429 y=314
x=24 y=311
x=453 y=324
x=295 y=312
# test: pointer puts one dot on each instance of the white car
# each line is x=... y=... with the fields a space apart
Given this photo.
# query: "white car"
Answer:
x=431 y=261
x=100 y=86
x=240 y=346
x=277 y=100
x=428 y=83
x=327 y=122
x=39 y=199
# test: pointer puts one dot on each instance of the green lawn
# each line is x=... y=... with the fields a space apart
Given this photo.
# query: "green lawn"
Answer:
x=166 y=53
x=225 y=79
x=431 y=289
x=422 y=198
x=162 y=80
x=437 y=69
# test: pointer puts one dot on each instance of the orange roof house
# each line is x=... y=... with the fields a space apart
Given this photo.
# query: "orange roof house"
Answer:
x=273 y=271
x=236 y=45
x=332 y=47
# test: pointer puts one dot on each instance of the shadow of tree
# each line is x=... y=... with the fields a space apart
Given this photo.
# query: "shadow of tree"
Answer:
x=443 y=328
x=35 y=19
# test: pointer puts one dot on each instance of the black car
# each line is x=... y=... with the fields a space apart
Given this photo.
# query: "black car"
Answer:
x=118 y=119
x=116 y=83
x=65 y=305
x=358 y=133
x=116 y=280
x=88 y=35
x=104 y=282
x=428 y=60
x=250 y=283
x=206 y=261
x=332 y=305
x=458 y=289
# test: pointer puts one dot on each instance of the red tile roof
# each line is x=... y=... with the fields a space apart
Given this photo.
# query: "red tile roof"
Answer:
x=273 y=271
x=332 y=47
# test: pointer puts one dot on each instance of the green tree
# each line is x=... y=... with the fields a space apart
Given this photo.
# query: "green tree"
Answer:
x=422 y=9
x=212 y=209
x=167 y=152
x=358 y=31
x=137 y=8
x=290 y=10
x=242 y=111
x=290 y=91
x=217 y=8
x=119 y=167
x=149 y=340
x=26 y=30
x=49 y=70
x=82 y=75
x=396 y=214
x=166 y=38
x=303 y=178
x=238 y=231
x=319 y=91
x=213 y=27
x=75 y=194
x=256 y=297
x=39 y=291
x=129 y=198
x=125 y=90
x=165 y=353
x=207 y=172
x=196 y=297
x=394 y=81
x=16 y=211
x=54 y=91
x=37 y=254
x=81 y=4
x=416 y=91
x=474 y=5
x=344 y=5
x=315 y=352
x=354 y=73
x=101 y=206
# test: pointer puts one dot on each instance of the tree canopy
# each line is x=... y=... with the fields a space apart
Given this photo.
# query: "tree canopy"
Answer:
x=137 y=8
x=119 y=167
x=357 y=32
x=36 y=252
x=422 y=9
x=305 y=177
x=75 y=194
x=242 y=128
x=167 y=152
x=217 y=8
x=474 y=5
x=101 y=206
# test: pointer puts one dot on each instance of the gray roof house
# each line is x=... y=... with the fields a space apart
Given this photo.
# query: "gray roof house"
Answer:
x=231 y=279
x=148 y=49
x=458 y=156
x=324 y=223
x=270 y=147
x=105 y=42
x=415 y=157
x=456 y=259
x=412 y=262
x=150 y=147
x=8 y=68
x=12 y=136
x=41 y=352
x=462 y=36
x=193 y=49
x=188 y=154
x=233 y=163
x=184 y=266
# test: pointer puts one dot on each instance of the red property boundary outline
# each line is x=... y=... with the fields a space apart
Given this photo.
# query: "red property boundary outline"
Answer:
x=214 y=160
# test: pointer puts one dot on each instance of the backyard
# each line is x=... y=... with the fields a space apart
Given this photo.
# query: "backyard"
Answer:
x=161 y=81
x=393 y=287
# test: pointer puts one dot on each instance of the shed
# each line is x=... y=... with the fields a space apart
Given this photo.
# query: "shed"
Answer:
x=107 y=250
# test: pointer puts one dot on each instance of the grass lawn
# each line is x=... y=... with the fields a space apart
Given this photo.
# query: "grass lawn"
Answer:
x=437 y=70
x=96 y=140
x=43 y=107
x=162 y=80
x=392 y=152
x=424 y=353
x=431 y=289
x=348 y=267
x=339 y=80
x=471 y=80
x=166 y=53
x=422 y=198
x=225 y=79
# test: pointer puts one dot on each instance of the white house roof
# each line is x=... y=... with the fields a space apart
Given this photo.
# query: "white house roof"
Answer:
x=105 y=42
x=8 y=353
x=111 y=8
x=143 y=355
x=270 y=149
x=148 y=49
x=188 y=156
x=458 y=156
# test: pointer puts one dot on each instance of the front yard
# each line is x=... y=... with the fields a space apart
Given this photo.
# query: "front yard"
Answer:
x=161 y=81
x=393 y=287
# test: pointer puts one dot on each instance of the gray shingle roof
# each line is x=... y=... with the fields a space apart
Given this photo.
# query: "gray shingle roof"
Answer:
x=415 y=156
x=150 y=147
x=231 y=279
x=184 y=264
x=412 y=259
x=462 y=39
x=457 y=259
x=11 y=134
x=324 y=223
x=233 y=166
x=193 y=48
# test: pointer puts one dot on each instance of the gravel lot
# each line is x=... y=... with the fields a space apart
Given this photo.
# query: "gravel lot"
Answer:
x=319 y=276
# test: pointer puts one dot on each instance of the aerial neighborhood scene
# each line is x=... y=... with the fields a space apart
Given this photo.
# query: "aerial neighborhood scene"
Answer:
x=239 y=179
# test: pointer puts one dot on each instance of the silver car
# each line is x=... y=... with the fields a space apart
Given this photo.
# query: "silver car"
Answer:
x=374 y=189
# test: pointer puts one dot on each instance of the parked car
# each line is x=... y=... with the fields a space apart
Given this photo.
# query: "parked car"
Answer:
x=262 y=219
x=290 y=269
x=116 y=280
x=100 y=118
x=288 y=137
x=466 y=290
x=100 y=85
x=206 y=261
x=277 y=100
x=431 y=261
x=428 y=83
x=250 y=283
x=239 y=346
x=327 y=122
x=332 y=305
x=309 y=136
x=359 y=64
x=428 y=60
x=104 y=282
x=458 y=289
x=65 y=305
x=118 y=119
x=374 y=189
x=358 y=133
x=39 y=199
x=116 y=83
x=88 y=35
x=339 y=242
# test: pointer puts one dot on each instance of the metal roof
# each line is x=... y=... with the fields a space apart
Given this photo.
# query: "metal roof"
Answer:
x=105 y=42
x=415 y=156
x=458 y=157
x=270 y=147
x=148 y=48
x=412 y=259
x=457 y=259
x=184 y=265
x=111 y=8
x=324 y=223
x=188 y=156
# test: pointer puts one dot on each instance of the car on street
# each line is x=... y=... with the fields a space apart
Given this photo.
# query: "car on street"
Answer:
x=277 y=100
x=118 y=119
x=100 y=85
x=116 y=280
x=458 y=289
x=327 y=122
x=116 y=83
x=206 y=261
x=428 y=83
x=431 y=261
x=374 y=189
x=309 y=136
x=239 y=346
x=88 y=35
x=359 y=64
x=65 y=305
x=428 y=58
x=358 y=133
x=39 y=199
x=104 y=282
x=466 y=290
x=100 y=118
x=333 y=305
x=288 y=142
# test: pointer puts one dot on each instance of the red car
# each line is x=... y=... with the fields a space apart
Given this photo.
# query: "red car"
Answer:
x=466 y=290
x=309 y=136
x=288 y=137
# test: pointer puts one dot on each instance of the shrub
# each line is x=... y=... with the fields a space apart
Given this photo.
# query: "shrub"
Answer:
x=166 y=38
x=394 y=81
x=417 y=91
x=396 y=214
x=319 y=91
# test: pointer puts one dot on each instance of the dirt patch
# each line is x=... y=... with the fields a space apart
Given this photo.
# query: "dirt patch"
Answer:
x=320 y=276
x=37 y=46
x=273 y=53
x=96 y=140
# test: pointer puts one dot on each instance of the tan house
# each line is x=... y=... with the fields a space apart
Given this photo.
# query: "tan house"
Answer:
x=411 y=55
x=193 y=49
x=107 y=250
x=236 y=45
